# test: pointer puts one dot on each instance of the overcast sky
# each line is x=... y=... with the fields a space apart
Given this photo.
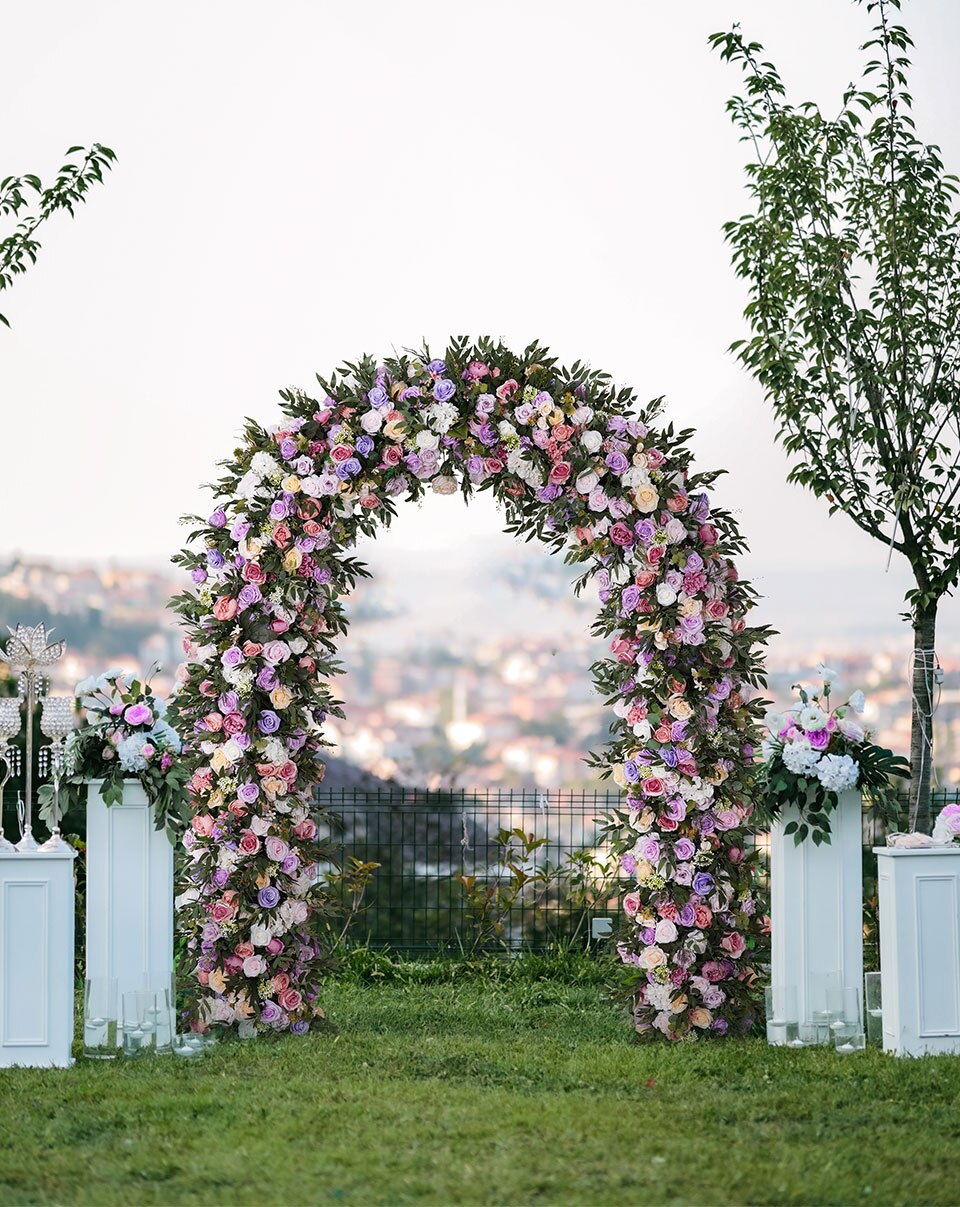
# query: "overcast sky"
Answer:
x=299 y=183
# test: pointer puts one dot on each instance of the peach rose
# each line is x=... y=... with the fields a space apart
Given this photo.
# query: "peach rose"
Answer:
x=652 y=957
x=280 y=982
x=225 y=608
x=202 y=824
x=646 y=498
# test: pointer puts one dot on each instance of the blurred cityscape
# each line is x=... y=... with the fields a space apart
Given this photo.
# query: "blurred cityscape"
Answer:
x=459 y=674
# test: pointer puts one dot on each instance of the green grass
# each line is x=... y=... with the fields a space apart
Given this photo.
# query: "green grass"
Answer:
x=476 y=1090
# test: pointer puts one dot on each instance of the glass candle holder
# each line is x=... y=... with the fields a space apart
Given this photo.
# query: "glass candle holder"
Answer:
x=782 y=1013
x=873 y=1012
x=100 y=1018
x=140 y=1012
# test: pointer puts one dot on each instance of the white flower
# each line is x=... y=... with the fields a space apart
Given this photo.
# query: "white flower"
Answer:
x=130 y=752
x=582 y=415
x=427 y=440
x=86 y=686
x=800 y=757
x=774 y=720
x=635 y=476
x=248 y=487
x=586 y=482
x=263 y=464
x=838 y=772
x=812 y=717
x=666 y=595
x=850 y=729
x=441 y=416
x=371 y=421
x=947 y=827
x=768 y=749
x=857 y=701
x=311 y=486
x=591 y=441
x=642 y=730
x=825 y=673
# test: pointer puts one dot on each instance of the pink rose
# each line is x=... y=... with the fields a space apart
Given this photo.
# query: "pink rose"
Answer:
x=290 y=999
x=234 y=723
x=249 y=842
x=716 y=609
x=506 y=391
x=254 y=966
x=631 y=903
x=708 y=534
x=645 y=578
x=306 y=829
x=276 y=652
x=734 y=943
x=213 y=722
x=560 y=472
x=341 y=452
x=254 y=574
x=275 y=946
x=703 y=916
x=392 y=454
x=652 y=786
x=138 y=714
x=280 y=982
x=243 y=950
x=202 y=824
x=276 y=849
x=620 y=534
x=654 y=458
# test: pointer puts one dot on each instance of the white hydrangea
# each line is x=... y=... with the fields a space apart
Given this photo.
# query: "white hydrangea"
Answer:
x=837 y=772
x=130 y=752
x=442 y=416
x=263 y=464
x=800 y=757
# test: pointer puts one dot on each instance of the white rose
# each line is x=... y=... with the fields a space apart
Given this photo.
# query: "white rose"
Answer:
x=642 y=730
x=371 y=421
x=311 y=486
x=591 y=441
x=666 y=595
x=586 y=481
x=427 y=440
x=582 y=415
x=506 y=429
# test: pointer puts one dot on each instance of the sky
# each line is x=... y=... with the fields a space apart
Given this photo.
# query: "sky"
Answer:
x=300 y=183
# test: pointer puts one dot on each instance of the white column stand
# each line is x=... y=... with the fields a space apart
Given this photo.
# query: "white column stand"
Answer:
x=36 y=957
x=817 y=904
x=129 y=889
x=920 y=949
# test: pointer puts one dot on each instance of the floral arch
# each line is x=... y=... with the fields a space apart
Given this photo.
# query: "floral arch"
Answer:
x=573 y=463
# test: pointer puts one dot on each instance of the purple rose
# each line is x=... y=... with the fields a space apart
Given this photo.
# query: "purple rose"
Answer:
x=702 y=883
x=378 y=397
x=288 y=448
x=631 y=772
x=629 y=864
x=687 y=915
x=648 y=934
x=278 y=509
x=267 y=679
x=364 y=446
x=215 y=559
x=138 y=714
x=443 y=390
x=819 y=739
x=228 y=702
x=248 y=792
x=474 y=465
x=409 y=393
x=268 y=721
x=199 y=575
x=269 y=897
x=232 y=656
x=270 y=1012
x=684 y=849
x=239 y=531
x=437 y=366
x=488 y=435
x=299 y=1026
x=668 y=757
x=630 y=598
x=617 y=462
x=290 y=863
x=218 y=519
x=220 y=877
x=250 y=594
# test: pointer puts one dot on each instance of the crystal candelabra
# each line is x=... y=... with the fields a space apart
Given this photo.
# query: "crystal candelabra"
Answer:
x=9 y=754
x=30 y=652
x=56 y=721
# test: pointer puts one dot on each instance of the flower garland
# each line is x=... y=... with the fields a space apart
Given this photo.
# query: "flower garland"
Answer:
x=571 y=463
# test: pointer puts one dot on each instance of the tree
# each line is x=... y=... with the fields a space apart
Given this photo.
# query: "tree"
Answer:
x=850 y=255
x=26 y=196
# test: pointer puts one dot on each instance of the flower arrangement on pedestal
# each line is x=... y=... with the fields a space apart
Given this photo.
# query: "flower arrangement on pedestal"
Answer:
x=573 y=464
x=946 y=829
x=816 y=750
x=125 y=735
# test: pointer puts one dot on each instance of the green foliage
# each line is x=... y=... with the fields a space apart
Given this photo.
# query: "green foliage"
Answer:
x=25 y=197
x=850 y=257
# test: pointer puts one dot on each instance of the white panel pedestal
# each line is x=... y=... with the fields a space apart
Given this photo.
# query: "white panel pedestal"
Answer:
x=129 y=889
x=920 y=949
x=816 y=909
x=36 y=957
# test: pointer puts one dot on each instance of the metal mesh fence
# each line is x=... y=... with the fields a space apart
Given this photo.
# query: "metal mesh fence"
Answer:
x=454 y=873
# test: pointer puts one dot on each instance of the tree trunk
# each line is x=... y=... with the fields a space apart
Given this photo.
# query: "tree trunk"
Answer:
x=921 y=734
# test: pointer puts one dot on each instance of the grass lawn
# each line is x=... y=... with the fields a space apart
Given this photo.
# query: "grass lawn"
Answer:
x=474 y=1091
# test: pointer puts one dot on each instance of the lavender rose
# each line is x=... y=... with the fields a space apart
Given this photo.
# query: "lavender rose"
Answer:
x=268 y=721
x=269 y=897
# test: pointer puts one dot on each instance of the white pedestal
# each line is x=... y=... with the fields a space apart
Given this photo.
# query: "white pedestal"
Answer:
x=920 y=949
x=129 y=889
x=816 y=909
x=36 y=957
